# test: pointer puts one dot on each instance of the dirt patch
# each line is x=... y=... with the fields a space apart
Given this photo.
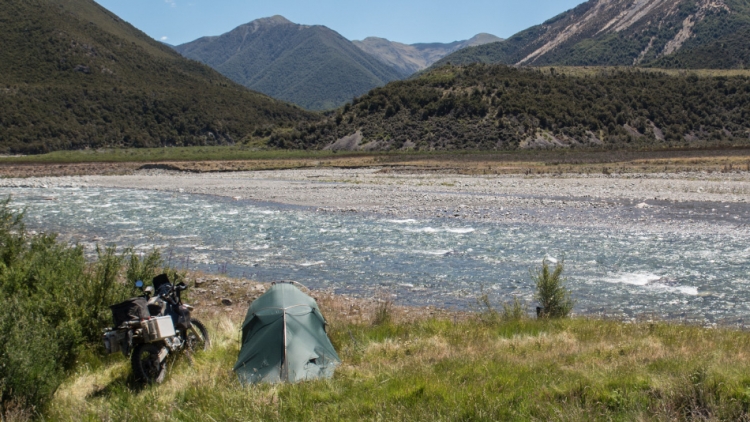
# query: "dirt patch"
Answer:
x=214 y=295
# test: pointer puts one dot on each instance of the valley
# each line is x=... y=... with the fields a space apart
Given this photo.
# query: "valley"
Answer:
x=422 y=192
x=313 y=66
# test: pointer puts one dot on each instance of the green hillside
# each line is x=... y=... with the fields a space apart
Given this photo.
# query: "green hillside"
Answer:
x=311 y=66
x=721 y=51
x=697 y=34
x=498 y=107
x=73 y=76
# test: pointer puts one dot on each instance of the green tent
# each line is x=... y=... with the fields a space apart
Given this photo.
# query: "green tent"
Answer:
x=284 y=339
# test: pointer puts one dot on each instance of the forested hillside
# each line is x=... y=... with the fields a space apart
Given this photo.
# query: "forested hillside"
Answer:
x=73 y=75
x=695 y=34
x=498 y=107
x=311 y=66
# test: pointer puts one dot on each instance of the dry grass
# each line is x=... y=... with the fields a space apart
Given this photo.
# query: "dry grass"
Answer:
x=474 y=163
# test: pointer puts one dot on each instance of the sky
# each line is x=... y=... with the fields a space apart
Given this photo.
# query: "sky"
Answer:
x=405 y=21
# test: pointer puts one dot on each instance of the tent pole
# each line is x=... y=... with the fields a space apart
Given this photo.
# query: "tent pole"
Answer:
x=285 y=364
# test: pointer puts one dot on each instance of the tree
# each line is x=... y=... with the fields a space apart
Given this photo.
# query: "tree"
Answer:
x=554 y=299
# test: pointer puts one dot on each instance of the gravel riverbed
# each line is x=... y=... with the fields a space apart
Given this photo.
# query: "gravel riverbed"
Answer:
x=692 y=202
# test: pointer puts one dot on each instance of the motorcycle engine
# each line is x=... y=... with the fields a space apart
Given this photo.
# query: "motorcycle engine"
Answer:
x=174 y=343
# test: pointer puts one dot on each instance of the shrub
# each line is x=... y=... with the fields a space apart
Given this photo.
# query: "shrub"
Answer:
x=53 y=305
x=141 y=267
x=554 y=299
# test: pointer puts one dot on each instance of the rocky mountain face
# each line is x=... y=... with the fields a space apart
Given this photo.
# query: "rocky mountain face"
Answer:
x=658 y=33
x=73 y=75
x=311 y=66
x=409 y=59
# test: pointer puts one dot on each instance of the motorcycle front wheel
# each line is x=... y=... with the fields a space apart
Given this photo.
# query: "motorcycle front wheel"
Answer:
x=197 y=336
x=146 y=365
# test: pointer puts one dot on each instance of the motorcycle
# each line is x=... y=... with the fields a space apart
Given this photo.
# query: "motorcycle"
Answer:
x=150 y=327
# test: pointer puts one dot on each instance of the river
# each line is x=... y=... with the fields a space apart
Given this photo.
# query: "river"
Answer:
x=442 y=262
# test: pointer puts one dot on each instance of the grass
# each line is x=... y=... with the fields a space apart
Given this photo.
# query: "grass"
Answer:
x=202 y=153
x=242 y=153
x=241 y=158
x=447 y=369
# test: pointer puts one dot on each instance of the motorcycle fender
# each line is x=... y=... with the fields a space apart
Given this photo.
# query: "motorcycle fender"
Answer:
x=163 y=354
x=183 y=317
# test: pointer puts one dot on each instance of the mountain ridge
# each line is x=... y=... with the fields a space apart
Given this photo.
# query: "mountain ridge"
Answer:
x=309 y=65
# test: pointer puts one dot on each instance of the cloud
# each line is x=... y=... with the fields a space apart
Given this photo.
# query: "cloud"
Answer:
x=172 y=3
x=164 y=38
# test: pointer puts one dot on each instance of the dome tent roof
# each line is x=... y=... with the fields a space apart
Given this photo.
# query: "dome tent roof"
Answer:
x=284 y=339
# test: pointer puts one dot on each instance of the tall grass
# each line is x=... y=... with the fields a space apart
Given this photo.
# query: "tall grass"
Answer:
x=488 y=313
x=441 y=369
x=383 y=312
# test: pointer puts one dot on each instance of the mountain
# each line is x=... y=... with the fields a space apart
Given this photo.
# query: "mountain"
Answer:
x=491 y=107
x=409 y=59
x=73 y=75
x=311 y=66
x=654 y=33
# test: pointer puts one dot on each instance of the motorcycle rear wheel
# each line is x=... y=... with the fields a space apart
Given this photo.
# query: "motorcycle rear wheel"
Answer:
x=200 y=341
x=146 y=366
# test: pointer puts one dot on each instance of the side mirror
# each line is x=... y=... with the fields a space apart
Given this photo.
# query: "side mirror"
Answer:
x=139 y=284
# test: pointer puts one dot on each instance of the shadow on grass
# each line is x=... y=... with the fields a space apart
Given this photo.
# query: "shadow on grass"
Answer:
x=124 y=382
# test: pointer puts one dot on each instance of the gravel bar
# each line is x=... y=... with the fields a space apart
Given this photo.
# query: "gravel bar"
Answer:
x=688 y=202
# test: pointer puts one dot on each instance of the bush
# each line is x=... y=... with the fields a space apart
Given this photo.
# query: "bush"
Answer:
x=143 y=268
x=53 y=305
x=554 y=299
